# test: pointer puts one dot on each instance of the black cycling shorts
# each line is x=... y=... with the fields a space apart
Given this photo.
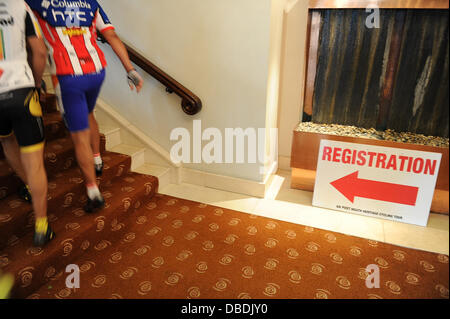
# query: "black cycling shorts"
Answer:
x=21 y=114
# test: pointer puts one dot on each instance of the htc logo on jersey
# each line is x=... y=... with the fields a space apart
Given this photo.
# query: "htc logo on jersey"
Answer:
x=68 y=11
x=6 y=21
x=70 y=16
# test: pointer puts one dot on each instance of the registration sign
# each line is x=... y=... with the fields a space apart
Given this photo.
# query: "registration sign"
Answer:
x=384 y=182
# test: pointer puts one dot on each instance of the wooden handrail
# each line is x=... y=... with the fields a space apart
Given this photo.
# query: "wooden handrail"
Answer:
x=190 y=103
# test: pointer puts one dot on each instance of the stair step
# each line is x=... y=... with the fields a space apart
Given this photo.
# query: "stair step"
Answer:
x=164 y=174
x=16 y=217
x=112 y=135
x=54 y=128
x=51 y=104
x=59 y=156
x=125 y=234
x=76 y=233
x=137 y=154
x=9 y=182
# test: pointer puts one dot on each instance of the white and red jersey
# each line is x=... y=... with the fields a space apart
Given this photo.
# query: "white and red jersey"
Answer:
x=70 y=31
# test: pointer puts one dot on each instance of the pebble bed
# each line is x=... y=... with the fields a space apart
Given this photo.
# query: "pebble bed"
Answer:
x=388 y=135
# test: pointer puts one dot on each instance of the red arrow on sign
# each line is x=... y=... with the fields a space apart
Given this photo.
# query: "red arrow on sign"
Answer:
x=351 y=186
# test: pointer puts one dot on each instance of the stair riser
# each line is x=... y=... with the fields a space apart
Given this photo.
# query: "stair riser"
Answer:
x=9 y=185
x=50 y=105
x=55 y=163
x=55 y=130
x=63 y=161
x=52 y=130
x=71 y=248
x=23 y=223
x=113 y=139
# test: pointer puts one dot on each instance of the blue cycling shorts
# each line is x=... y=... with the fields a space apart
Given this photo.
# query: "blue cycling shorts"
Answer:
x=78 y=97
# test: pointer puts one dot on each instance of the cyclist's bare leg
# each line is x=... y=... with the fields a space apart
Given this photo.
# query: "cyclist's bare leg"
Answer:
x=12 y=153
x=33 y=164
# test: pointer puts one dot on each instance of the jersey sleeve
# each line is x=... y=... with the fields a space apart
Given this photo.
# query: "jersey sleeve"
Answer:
x=102 y=21
x=31 y=25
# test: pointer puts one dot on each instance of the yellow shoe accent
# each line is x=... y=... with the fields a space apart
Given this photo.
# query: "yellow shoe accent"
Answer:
x=41 y=225
x=6 y=284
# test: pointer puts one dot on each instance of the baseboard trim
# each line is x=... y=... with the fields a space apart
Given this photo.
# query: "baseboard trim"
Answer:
x=181 y=174
x=224 y=183
x=284 y=163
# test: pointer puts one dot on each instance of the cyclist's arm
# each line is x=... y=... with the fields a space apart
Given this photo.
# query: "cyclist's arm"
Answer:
x=37 y=48
x=118 y=47
x=120 y=50
x=103 y=25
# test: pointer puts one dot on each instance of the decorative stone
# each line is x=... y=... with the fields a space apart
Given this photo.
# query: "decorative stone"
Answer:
x=388 y=135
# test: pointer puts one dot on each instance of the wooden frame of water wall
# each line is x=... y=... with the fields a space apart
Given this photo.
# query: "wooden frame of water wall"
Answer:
x=392 y=77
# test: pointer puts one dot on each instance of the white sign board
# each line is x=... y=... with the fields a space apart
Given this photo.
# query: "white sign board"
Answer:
x=383 y=182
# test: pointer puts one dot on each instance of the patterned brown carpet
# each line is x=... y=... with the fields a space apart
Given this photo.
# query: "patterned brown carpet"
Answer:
x=147 y=245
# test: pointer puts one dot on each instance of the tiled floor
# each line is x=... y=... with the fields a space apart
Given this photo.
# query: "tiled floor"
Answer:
x=286 y=204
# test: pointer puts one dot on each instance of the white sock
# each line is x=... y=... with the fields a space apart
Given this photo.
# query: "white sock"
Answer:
x=98 y=159
x=93 y=192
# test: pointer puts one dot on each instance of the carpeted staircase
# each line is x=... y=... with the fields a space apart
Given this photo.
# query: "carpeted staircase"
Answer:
x=123 y=191
x=148 y=245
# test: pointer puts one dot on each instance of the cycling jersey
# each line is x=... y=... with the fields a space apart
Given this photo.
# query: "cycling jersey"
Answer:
x=16 y=23
x=70 y=30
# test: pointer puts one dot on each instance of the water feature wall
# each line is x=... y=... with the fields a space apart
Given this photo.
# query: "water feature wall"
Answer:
x=392 y=77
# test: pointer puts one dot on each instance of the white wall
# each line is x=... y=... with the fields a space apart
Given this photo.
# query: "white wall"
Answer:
x=292 y=75
x=219 y=49
x=273 y=83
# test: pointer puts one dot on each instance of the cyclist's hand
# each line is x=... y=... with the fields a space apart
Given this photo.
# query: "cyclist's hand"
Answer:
x=41 y=94
x=135 y=80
